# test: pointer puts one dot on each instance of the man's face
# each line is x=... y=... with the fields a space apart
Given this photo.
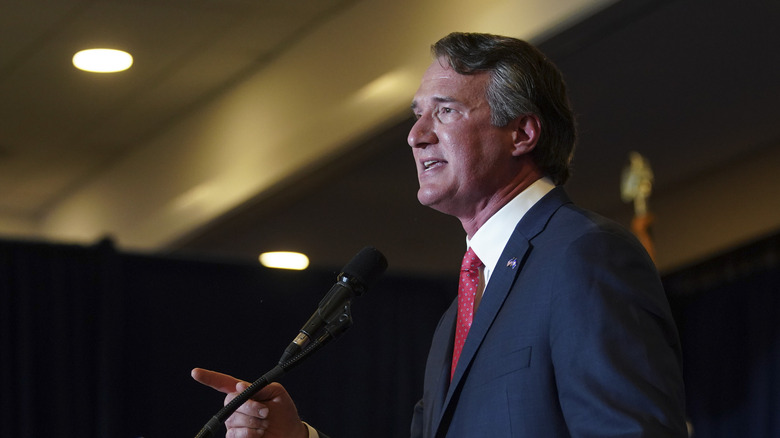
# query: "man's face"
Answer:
x=463 y=162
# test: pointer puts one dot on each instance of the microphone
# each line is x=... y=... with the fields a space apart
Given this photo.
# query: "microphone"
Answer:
x=353 y=280
x=333 y=312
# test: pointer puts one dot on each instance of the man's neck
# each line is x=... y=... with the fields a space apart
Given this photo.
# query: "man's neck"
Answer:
x=482 y=213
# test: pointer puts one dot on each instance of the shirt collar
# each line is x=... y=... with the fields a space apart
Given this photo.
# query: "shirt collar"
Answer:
x=491 y=238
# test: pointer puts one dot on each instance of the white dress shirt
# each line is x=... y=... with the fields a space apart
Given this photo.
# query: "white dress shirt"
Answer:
x=491 y=238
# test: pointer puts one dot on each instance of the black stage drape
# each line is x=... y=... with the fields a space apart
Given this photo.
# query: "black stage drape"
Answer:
x=98 y=343
x=61 y=341
x=728 y=313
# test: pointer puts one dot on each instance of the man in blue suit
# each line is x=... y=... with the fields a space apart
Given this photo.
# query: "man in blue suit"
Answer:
x=569 y=333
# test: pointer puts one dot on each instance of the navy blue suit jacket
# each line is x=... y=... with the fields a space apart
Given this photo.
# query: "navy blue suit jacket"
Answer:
x=573 y=337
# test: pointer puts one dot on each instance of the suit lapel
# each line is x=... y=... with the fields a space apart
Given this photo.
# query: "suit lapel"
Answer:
x=503 y=277
x=439 y=361
x=501 y=281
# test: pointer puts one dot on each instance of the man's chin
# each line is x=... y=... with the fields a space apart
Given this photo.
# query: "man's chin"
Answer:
x=431 y=200
x=426 y=198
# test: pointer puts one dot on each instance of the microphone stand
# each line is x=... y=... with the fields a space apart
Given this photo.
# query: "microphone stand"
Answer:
x=333 y=329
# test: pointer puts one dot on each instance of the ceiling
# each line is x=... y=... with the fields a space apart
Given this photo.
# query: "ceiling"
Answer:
x=692 y=85
x=61 y=126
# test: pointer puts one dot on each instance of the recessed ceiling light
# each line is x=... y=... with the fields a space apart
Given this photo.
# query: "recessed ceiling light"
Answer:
x=102 y=60
x=284 y=260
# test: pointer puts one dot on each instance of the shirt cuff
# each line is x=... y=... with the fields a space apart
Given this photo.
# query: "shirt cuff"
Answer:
x=312 y=431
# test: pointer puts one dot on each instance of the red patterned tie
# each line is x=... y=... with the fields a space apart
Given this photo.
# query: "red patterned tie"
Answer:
x=467 y=289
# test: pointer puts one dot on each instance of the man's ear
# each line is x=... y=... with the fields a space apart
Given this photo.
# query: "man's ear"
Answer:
x=526 y=130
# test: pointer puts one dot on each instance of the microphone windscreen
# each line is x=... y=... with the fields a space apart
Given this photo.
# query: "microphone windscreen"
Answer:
x=366 y=266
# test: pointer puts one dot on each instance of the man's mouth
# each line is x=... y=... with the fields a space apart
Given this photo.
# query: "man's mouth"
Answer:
x=428 y=164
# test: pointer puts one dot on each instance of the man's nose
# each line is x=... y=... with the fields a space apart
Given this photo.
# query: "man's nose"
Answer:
x=422 y=133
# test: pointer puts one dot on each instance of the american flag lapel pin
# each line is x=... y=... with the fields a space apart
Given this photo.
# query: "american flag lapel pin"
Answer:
x=512 y=263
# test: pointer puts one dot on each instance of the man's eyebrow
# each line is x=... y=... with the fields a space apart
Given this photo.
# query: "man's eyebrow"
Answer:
x=437 y=99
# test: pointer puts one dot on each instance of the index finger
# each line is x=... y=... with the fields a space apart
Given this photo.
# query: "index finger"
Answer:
x=221 y=382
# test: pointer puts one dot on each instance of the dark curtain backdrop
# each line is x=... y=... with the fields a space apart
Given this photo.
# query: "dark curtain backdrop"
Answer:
x=728 y=313
x=97 y=343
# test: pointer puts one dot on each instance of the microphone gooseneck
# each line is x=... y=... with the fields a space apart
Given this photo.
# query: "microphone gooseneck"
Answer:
x=332 y=318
